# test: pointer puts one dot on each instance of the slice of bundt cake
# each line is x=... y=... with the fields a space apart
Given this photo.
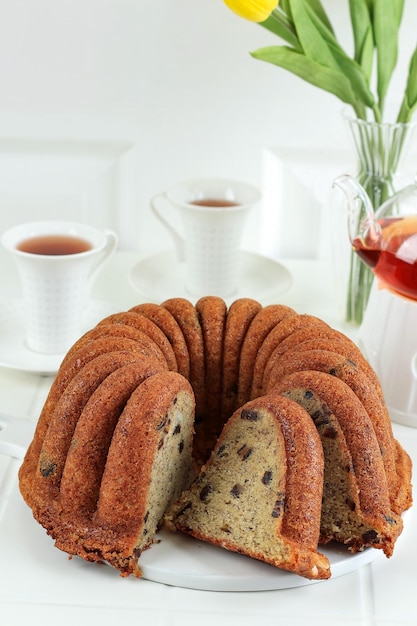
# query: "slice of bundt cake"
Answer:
x=120 y=477
x=260 y=492
x=397 y=462
x=356 y=506
x=339 y=366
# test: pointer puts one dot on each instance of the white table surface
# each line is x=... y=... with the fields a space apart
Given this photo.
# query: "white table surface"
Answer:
x=39 y=585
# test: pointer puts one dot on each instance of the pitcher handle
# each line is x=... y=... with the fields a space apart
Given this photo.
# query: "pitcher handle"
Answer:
x=163 y=210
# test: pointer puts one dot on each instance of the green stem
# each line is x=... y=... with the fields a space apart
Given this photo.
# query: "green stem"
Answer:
x=279 y=24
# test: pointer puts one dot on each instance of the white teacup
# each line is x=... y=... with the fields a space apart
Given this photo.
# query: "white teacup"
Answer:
x=206 y=219
x=57 y=262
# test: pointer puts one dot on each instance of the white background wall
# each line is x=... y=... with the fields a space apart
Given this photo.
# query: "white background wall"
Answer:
x=104 y=103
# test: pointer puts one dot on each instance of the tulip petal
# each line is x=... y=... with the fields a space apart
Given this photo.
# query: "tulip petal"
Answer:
x=252 y=10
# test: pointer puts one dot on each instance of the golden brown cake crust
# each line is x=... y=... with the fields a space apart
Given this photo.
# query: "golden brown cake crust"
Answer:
x=212 y=314
x=65 y=374
x=324 y=339
x=188 y=320
x=55 y=446
x=239 y=317
x=263 y=322
x=147 y=345
x=276 y=335
x=146 y=325
x=339 y=366
x=169 y=326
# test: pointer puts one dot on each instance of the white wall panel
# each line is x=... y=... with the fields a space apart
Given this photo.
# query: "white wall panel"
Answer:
x=106 y=102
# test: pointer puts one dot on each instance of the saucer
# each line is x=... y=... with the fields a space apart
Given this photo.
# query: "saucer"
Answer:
x=162 y=276
x=14 y=353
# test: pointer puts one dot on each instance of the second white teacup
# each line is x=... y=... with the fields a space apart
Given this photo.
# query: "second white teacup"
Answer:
x=57 y=262
x=206 y=218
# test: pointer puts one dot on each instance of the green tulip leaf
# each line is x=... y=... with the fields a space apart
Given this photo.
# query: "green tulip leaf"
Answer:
x=314 y=36
x=387 y=16
x=411 y=89
x=328 y=79
x=318 y=9
x=355 y=74
x=319 y=44
x=283 y=28
x=362 y=35
x=409 y=104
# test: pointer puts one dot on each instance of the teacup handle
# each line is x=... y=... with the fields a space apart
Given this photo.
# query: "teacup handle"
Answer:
x=166 y=214
x=109 y=248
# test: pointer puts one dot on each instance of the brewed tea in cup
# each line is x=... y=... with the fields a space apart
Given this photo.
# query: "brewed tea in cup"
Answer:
x=57 y=263
x=206 y=219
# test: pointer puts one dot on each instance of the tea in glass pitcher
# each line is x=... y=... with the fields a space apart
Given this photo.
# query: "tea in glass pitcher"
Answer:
x=393 y=256
x=385 y=240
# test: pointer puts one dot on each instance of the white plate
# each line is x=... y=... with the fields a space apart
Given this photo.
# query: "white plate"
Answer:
x=162 y=276
x=182 y=561
x=14 y=353
x=177 y=560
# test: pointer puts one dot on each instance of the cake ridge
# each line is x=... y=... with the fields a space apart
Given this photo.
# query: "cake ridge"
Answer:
x=64 y=376
x=167 y=323
x=262 y=323
x=346 y=370
x=65 y=417
x=87 y=455
x=276 y=335
x=144 y=324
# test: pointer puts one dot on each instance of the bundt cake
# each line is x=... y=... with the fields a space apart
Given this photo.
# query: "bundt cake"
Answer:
x=255 y=428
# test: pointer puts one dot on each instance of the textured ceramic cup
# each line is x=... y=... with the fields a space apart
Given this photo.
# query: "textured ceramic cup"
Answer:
x=388 y=338
x=206 y=218
x=56 y=285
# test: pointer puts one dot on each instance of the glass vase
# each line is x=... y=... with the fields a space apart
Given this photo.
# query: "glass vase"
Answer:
x=380 y=148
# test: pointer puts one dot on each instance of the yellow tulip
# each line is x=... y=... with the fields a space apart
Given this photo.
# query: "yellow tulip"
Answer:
x=253 y=10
